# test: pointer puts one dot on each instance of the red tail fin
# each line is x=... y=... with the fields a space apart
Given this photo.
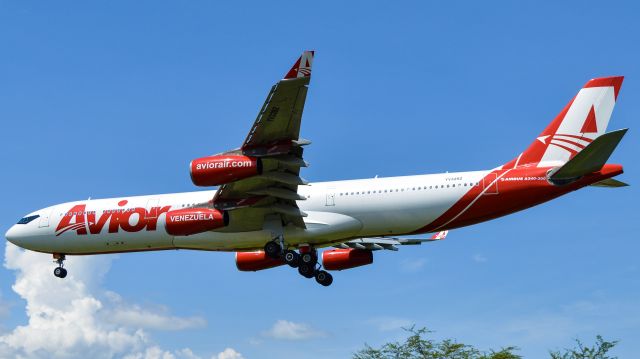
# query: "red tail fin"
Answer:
x=581 y=121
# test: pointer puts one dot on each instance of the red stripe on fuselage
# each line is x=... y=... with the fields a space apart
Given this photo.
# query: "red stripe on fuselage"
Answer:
x=517 y=189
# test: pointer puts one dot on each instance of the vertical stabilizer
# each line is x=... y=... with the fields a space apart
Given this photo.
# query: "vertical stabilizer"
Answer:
x=583 y=119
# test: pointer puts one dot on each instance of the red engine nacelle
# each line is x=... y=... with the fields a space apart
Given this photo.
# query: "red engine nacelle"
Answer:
x=217 y=170
x=187 y=221
x=339 y=259
x=255 y=261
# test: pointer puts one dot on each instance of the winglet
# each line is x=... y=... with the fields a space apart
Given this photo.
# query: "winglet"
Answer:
x=439 y=236
x=302 y=67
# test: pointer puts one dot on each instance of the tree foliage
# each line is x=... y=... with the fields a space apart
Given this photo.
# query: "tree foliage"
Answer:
x=598 y=351
x=418 y=346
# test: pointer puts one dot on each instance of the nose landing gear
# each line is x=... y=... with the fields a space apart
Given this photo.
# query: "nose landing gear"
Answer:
x=59 y=272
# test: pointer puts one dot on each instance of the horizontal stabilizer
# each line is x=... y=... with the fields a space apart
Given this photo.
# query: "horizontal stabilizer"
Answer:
x=610 y=182
x=591 y=158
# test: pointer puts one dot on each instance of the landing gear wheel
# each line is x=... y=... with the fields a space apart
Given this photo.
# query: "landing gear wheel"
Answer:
x=324 y=278
x=306 y=270
x=272 y=249
x=292 y=258
x=309 y=258
x=60 y=272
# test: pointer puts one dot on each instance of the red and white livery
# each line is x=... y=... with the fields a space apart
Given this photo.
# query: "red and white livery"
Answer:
x=270 y=216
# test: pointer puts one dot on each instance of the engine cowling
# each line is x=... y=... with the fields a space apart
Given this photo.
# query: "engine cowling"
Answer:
x=255 y=261
x=217 y=170
x=339 y=259
x=187 y=221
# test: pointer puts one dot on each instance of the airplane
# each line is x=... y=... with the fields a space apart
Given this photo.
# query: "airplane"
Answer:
x=263 y=210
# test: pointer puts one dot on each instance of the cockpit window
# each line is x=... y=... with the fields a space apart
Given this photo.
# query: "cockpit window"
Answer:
x=26 y=220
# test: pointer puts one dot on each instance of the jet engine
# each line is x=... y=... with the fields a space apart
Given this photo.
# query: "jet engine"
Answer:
x=187 y=221
x=221 y=169
x=339 y=259
x=255 y=261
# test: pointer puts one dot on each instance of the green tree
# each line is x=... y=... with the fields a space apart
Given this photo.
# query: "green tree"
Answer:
x=598 y=351
x=417 y=346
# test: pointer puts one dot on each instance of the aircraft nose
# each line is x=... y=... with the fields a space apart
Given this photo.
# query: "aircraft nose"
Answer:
x=12 y=235
x=16 y=236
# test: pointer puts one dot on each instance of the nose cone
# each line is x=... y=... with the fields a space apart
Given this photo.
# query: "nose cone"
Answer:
x=12 y=235
x=18 y=235
x=15 y=236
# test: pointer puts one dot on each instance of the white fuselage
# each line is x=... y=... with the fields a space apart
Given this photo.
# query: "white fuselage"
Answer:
x=336 y=211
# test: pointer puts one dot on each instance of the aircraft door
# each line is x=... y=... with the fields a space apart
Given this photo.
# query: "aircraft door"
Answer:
x=331 y=198
x=490 y=183
x=44 y=218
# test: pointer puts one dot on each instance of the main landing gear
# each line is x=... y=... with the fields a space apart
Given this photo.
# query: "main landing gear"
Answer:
x=59 y=272
x=306 y=261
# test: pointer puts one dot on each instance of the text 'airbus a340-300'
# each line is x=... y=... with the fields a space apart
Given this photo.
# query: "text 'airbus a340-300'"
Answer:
x=270 y=216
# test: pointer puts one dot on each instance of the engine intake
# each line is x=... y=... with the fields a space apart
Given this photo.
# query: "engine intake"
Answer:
x=340 y=259
x=255 y=261
x=188 y=221
x=217 y=170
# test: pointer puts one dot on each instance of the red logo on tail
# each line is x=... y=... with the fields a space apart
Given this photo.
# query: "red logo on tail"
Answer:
x=590 y=125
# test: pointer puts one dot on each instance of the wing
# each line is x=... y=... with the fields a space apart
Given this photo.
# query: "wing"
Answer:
x=275 y=139
x=390 y=243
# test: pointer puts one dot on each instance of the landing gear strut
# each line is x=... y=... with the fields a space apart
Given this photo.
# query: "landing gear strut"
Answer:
x=306 y=261
x=273 y=249
x=59 y=272
x=324 y=278
x=292 y=258
x=309 y=268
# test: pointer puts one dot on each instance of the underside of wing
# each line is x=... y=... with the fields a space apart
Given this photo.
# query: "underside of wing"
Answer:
x=389 y=243
x=275 y=146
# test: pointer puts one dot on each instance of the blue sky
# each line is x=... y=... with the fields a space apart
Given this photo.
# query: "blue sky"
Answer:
x=115 y=98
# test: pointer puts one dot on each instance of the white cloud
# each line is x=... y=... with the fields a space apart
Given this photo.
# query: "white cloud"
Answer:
x=151 y=353
x=229 y=353
x=479 y=258
x=286 y=330
x=135 y=316
x=386 y=324
x=74 y=317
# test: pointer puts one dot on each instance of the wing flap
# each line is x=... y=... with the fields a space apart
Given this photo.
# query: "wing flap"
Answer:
x=388 y=243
